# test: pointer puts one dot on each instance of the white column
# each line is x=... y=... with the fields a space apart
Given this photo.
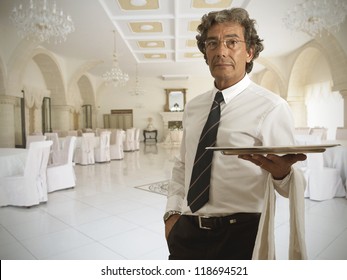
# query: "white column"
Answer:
x=7 y=121
x=61 y=115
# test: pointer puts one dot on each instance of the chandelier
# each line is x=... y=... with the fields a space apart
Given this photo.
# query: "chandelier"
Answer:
x=115 y=75
x=313 y=16
x=137 y=90
x=40 y=20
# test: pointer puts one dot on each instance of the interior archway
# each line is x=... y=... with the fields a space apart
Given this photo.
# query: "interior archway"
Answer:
x=86 y=90
x=270 y=81
x=53 y=78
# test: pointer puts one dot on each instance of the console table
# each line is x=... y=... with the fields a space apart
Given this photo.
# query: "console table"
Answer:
x=150 y=135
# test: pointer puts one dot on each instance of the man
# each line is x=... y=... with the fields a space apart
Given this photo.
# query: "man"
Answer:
x=221 y=220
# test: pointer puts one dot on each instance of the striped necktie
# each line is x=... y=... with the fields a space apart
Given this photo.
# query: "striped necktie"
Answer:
x=198 y=193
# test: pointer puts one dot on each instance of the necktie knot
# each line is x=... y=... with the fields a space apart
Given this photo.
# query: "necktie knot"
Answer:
x=219 y=97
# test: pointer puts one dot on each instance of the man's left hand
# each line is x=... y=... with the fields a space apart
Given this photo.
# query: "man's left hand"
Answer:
x=278 y=166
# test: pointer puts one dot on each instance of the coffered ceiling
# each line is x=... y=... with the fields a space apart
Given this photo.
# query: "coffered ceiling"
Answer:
x=164 y=31
x=156 y=35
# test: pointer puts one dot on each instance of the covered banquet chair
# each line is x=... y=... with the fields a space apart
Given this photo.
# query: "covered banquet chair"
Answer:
x=34 y=138
x=322 y=182
x=62 y=175
x=102 y=151
x=55 y=149
x=84 y=152
x=137 y=139
x=116 y=144
x=341 y=133
x=29 y=188
x=129 y=141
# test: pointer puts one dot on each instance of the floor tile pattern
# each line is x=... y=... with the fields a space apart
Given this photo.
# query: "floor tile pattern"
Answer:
x=106 y=217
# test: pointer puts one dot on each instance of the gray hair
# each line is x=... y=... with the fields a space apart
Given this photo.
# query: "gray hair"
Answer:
x=237 y=15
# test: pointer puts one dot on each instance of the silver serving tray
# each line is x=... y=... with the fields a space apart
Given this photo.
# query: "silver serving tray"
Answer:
x=273 y=149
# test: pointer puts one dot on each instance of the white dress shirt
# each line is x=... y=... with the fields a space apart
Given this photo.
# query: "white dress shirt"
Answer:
x=250 y=116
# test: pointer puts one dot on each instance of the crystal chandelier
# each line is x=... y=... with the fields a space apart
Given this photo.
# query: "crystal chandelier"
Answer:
x=137 y=90
x=41 y=21
x=115 y=75
x=313 y=16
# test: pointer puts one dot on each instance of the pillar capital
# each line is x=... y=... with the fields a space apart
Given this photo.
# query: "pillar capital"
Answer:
x=8 y=99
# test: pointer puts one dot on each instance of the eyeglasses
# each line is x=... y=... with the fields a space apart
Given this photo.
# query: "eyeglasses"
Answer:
x=212 y=44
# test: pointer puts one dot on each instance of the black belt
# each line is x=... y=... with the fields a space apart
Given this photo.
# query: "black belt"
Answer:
x=205 y=222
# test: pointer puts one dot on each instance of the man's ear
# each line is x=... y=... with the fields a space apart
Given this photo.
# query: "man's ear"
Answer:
x=250 y=55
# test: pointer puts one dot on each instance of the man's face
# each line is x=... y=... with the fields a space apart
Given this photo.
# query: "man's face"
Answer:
x=227 y=61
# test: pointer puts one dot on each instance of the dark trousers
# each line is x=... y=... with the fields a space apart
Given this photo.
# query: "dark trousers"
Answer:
x=233 y=238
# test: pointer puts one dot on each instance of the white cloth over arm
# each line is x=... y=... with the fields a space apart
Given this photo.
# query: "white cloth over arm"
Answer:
x=264 y=248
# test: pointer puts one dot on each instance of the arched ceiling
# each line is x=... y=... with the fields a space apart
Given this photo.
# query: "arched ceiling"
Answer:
x=53 y=78
x=86 y=90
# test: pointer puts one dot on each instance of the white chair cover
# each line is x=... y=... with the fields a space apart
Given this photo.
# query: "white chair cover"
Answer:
x=84 y=154
x=322 y=182
x=322 y=132
x=137 y=139
x=34 y=138
x=29 y=188
x=311 y=139
x=62 y=175
x=302 y=130
x=129 y=142
x=55 y=149
x=116 y=144
x=341 y=133
x=72 y=133
x=61 y=133
x=337 y=158
x=99 y=130
x=102 y=151
x=42 y=180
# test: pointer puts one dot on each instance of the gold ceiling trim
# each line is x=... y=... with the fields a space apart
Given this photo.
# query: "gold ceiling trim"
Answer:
x=136 y=5
x=146 y=27
x=150 y=44
x=206 y=4
x=155 y=55
x=193 y=55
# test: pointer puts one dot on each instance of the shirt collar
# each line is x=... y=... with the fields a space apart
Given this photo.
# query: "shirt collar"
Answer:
x=231 y=92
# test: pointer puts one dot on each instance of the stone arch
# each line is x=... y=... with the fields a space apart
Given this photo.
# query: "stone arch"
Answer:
x=304 y=63
x=28 y=50
x=73 y=85
x=52 y=75
x=300 y=71
x=271 y=78
x=86 y=90
x=337 y=59
x=16 y=65
x=270 y=81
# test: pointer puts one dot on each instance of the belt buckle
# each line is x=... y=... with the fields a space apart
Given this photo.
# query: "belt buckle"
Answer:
x=200 y=222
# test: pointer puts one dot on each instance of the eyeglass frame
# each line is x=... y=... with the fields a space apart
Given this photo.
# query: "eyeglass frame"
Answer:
x=234 y=43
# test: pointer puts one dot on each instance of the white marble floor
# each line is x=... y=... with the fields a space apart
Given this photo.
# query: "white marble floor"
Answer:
x=105 y=217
